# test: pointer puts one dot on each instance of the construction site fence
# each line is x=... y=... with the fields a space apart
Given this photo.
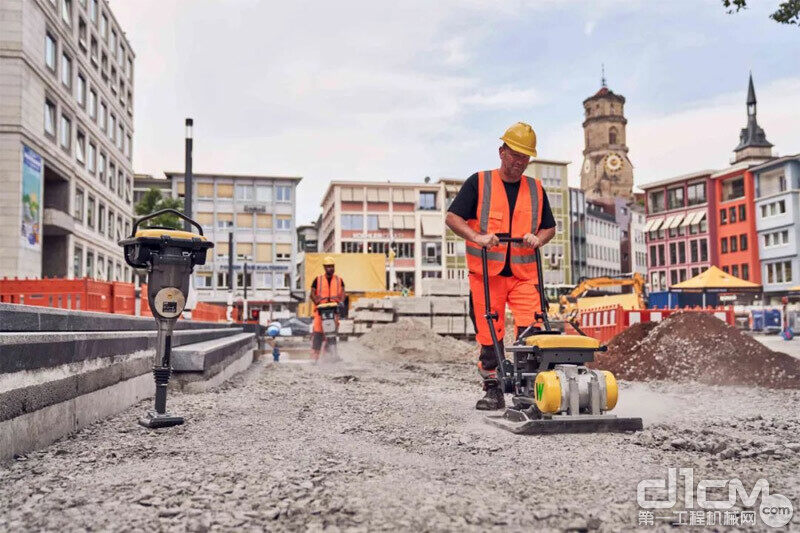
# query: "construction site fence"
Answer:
x=86 y=294
x=604 y=323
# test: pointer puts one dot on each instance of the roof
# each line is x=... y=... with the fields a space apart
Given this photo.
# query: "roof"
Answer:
x=605 y=92
x=732 y=170
x=715 y=280
x=751 y=91
x=682 y=177
x=775 y=162
x=170 y=174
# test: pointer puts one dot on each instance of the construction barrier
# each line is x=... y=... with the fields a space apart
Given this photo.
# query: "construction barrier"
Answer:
x=123 y=298
x=206 y=312
x=604 y=323
x=84 y=294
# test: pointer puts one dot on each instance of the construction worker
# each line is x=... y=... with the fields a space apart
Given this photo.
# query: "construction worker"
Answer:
x=327 y=287
x=503 y=201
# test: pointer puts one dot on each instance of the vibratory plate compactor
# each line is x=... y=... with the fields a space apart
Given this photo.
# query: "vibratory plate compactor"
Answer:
x=553 y=391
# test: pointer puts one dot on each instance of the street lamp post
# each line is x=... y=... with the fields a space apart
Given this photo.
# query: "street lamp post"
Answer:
x=187 y=208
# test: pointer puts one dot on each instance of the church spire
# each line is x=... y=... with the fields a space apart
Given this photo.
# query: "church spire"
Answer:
x=752 y=139
x=603 y=74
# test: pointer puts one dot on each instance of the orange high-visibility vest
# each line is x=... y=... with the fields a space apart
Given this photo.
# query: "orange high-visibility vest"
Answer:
x=333 y=289
x=493 y=215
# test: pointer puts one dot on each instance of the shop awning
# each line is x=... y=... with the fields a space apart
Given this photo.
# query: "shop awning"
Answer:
x=653 y=224
x=668 y=222
x=715 y=280
x=676 y=221
x=432 y=226
x=687 y=220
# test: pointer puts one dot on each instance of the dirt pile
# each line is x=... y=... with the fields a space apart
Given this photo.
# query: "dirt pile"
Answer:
x=698 y=347
x=411 y=340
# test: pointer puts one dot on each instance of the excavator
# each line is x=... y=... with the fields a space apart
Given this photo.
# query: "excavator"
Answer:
x=568 y=305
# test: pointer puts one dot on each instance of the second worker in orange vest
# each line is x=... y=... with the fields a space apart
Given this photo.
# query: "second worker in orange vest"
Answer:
x=325 y=288
x=503 y=201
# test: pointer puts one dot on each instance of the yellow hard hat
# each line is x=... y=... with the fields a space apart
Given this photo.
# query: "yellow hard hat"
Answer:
x=328 y=261
x=521 y=138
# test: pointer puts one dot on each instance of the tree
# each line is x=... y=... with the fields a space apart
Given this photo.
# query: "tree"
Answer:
x=153 y=201
x=788 y=12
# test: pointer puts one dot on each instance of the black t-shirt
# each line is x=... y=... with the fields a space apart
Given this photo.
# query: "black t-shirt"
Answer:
x=465 y=205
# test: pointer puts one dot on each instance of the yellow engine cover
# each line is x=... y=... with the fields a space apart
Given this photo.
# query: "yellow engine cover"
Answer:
x=547 y=392
x=612 y=392
x=562 y=341
x=173 y=233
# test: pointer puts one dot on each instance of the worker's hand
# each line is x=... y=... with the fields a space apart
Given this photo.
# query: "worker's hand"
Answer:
x=487 y=240
x=531 y=240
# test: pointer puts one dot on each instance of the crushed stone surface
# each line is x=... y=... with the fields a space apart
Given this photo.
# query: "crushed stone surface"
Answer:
x=698 y=347
x=411 y=340
x=380 y=445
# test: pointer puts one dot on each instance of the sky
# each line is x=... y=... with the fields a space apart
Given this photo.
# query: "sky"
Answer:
x=375 y=90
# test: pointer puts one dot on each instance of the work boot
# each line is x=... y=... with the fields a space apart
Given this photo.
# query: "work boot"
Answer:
x=494 y=398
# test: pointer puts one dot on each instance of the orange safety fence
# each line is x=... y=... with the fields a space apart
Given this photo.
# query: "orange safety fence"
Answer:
x=603 y=323
x=83 y=294
x=206 y=312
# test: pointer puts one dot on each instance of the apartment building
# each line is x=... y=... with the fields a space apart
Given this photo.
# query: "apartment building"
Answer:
x=577 y=218
x=777 y=209
x=602 y=241
x=679 y=228
x=66 y=129
x=259 y=211
x=363 y=217
x=637 y=261
x=556 y=255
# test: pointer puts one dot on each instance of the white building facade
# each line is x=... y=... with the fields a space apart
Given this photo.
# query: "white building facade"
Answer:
x=602 y=242
x=259 y=211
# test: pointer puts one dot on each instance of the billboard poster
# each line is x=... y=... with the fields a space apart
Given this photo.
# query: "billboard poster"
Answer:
x=32 y=176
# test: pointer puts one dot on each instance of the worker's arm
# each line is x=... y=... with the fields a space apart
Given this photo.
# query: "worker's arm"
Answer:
x=314 y=294
x=462 y=229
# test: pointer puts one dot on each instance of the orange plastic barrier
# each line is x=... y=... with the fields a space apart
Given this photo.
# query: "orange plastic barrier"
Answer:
x=84 y=294
x=123 y=298
x=144 y=307
x=205 y=312
x=604 y=323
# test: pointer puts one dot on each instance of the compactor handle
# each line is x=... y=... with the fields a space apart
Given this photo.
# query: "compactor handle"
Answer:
x=138 y=221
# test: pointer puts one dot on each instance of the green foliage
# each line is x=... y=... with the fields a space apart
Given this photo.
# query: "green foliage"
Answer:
x=788 y=12
x=153 y=201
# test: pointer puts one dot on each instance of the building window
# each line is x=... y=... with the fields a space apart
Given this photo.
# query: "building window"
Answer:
x=404 y=249
x=50 y=52
x=66 y=12
x=283 y=222
x=224 y=220
x=693 y=255
x=352 y=247
x=103 y=116
x=82 y=33
x=283 y=193
x=128 y=146
x=735 y=271
x=90 y=158
x=104 y=27
x=733 y=189
x=696 y=193
x=101 y=218
x=612 y=135
x=732 y=214
x=734 y=243
x=723 y=217
x=120 y=135
x=742 y=213
x=77 y=206
x=745 y=271
x=112 y=176
x=90 y=273
x=110 y=223
x=656 y=203
x=427 y=200
x=65 y=133
x=93 y=11
x=681 y=253
x=244 y=193
x=101 y=168
x=92 y=108
x=352 y=222
x=50 y=118
x=80 y=147
x=372 y=222
x=675 y=198
x=703 y=250
x=263 y=193
x=673 y=275
x=129 y=72
x=112 y=43
x=743 y=242
x=673 y=253
x=283 y=252
x=77 y=262
x=112 y=126
x=66 y=71
x=93 y=51
x=726 y=269
x=90 y=206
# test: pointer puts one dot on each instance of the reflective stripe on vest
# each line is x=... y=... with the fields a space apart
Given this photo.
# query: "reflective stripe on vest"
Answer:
x=492 y=216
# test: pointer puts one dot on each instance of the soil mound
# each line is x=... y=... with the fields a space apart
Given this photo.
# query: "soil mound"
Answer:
x=411 y=340
x=697 y=347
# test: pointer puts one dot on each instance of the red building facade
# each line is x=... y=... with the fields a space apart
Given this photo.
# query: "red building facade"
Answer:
x=679 y=228
x=734 y=190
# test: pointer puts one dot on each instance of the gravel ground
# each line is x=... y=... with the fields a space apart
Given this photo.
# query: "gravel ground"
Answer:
x=376 y=445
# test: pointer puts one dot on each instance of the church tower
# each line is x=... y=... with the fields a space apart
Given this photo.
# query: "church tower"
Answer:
x=606 y=172
x=753 y=143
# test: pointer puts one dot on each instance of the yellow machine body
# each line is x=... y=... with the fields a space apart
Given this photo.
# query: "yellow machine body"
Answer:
x=551 y=389
x=575 y=342
x=171 y=233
